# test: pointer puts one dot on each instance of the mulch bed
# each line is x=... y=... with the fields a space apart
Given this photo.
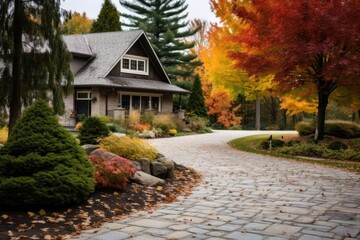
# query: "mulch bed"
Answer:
x=103 y=206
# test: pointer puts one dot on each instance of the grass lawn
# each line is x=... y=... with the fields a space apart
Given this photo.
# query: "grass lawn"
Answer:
x=250 y=144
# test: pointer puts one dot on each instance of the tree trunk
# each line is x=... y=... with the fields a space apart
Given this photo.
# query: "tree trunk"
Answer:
x=15 y=102
x=257 y=115
x=359 y=113
x=320 y=126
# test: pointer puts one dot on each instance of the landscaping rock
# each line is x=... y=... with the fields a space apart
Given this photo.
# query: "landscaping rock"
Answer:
x=145 y=165
x=147 y=134
x=146 y=179
x=102 y=153
x=90 y=148
x=159 y=169
x=137 y=165
x=159 y=155
x=169 y=164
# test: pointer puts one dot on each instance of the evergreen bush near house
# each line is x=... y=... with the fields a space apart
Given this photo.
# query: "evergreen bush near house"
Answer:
x=92 y=129
x=41 y=164
x=196 y=103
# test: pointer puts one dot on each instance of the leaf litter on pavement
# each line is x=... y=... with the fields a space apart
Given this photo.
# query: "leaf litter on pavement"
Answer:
x=104 y=205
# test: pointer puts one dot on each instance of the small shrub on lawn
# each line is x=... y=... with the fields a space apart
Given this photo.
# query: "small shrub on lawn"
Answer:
x=305 y=128
x=275 y=143
x=91 y=130
x=129 y=147
x=342 y=129
x=264 y=144
x=41 y=164
x=113 y=173
x=337 y=146
x=3 y=135
x=165 y=122
x=292 y=143
x=308 y=149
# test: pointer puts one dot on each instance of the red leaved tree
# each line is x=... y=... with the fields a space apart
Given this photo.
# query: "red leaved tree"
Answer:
x=302 y=41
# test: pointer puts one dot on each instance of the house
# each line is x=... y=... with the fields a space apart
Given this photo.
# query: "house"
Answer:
x=115 y=73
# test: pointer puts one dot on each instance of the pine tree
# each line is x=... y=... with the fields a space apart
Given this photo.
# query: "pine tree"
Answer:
x=197 y=101
x=108 y=19
x=165 y=23
x=34 y=58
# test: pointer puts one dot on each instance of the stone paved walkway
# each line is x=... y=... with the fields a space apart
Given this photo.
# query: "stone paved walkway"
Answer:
x=246 y=196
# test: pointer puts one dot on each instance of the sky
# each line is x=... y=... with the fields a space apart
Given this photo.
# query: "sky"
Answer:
x=197 y=8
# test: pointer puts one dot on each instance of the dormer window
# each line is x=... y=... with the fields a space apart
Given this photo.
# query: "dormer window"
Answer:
x=135 y=65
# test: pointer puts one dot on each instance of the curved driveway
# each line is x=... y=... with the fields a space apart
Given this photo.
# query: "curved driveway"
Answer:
x=246 y=196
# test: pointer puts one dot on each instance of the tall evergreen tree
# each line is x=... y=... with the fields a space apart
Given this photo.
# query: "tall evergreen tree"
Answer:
x=33 y=56
x=165 y=23
x=197 y=101
x=108 y=19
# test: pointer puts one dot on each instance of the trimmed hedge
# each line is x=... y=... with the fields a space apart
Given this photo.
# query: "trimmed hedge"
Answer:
x=336 y=128
x=41 y=164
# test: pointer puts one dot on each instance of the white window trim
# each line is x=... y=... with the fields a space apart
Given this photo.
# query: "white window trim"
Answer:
x=131 y=94
x=136 y=58
x=88 y=93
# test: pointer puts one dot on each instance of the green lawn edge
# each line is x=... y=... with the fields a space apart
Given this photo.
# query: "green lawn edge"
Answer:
x=246 y=144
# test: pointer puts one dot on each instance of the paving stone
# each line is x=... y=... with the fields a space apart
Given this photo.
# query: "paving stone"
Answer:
x=150 y=223
x=177 y=235
x=318 y=233
x=179 y=227
x=346 y=231
x=311 y=237
x=282 y=229
x=256 y=226
x=247 y=236
x=112 y=236
x=158 y=232
x=132 y=229
x=197 y=230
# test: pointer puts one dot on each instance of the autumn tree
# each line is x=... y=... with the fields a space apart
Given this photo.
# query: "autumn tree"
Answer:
x=302 y=42
x=108 y=19
x=77 y=24
x=34 y=58
x=197 y=102
x=165 y=23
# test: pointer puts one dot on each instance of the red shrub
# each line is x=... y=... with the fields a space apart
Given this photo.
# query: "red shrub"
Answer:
x=112 y=173
x=141 y=127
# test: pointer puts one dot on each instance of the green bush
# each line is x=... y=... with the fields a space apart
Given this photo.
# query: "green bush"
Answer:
x=336 y=128
x=355 y=144
x=337 y=146
x=92 y=129
x=275 y=143
x=342 y=129
x=305 y=128
x=264 y=144
x=41 y=164
x=292 y=143
x=196 y=123
x=165 y=122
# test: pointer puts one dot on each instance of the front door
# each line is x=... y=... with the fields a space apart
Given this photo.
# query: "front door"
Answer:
x=83 y=103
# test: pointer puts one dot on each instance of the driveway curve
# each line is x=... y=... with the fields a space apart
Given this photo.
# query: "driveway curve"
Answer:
x=246 y=196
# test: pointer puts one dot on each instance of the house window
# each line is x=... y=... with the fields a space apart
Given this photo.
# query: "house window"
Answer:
x=140 y=101
x=135 y=65
x=83 y=95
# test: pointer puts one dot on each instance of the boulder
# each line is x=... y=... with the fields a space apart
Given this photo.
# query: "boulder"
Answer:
x=137 y=165
x=170 y=165
x=147 y=134
x=159 y=169
x=159 y=155
x=89 y=148
x=145 y=165
x=146 y=179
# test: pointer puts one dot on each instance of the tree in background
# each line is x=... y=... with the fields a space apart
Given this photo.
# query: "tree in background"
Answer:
x=165 y=23
x=302 y=42
x=108 y=19
x=77 y=24
x=197 y=102
x=35 y=58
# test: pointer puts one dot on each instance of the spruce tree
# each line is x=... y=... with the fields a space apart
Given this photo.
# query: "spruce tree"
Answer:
x=108 y=19
x=34 y=57
x=165 y=23
x=197 y=101
x=41 y=164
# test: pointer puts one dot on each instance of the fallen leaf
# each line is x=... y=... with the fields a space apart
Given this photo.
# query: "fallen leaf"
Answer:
x=5 y=216
x=31 y=214
x=47 y=237
x=116 y=193
x=42 y=212
x=159 y=188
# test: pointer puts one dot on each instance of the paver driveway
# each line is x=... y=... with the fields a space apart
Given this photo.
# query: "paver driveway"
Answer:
x=247 y=196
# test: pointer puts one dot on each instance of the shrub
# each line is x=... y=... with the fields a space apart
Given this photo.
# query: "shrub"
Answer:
x=112 y=173
x=104 y=119
x=165 y=122
x=355 y=144
x=128 y=147
x=305 y=128
x=41 y=164
x=264 y=144
x=134 y=117
x=275 y=143
x=141 y=127
x=342 y=129
x=197 y=123
x=292 y=143
x=80 y=117
x=337 y=146
x=91 y=130
x=148 y=117
x=3 y=135
x=309 y=149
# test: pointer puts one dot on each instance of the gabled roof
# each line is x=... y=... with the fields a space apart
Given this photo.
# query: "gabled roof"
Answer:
x=104 y=51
